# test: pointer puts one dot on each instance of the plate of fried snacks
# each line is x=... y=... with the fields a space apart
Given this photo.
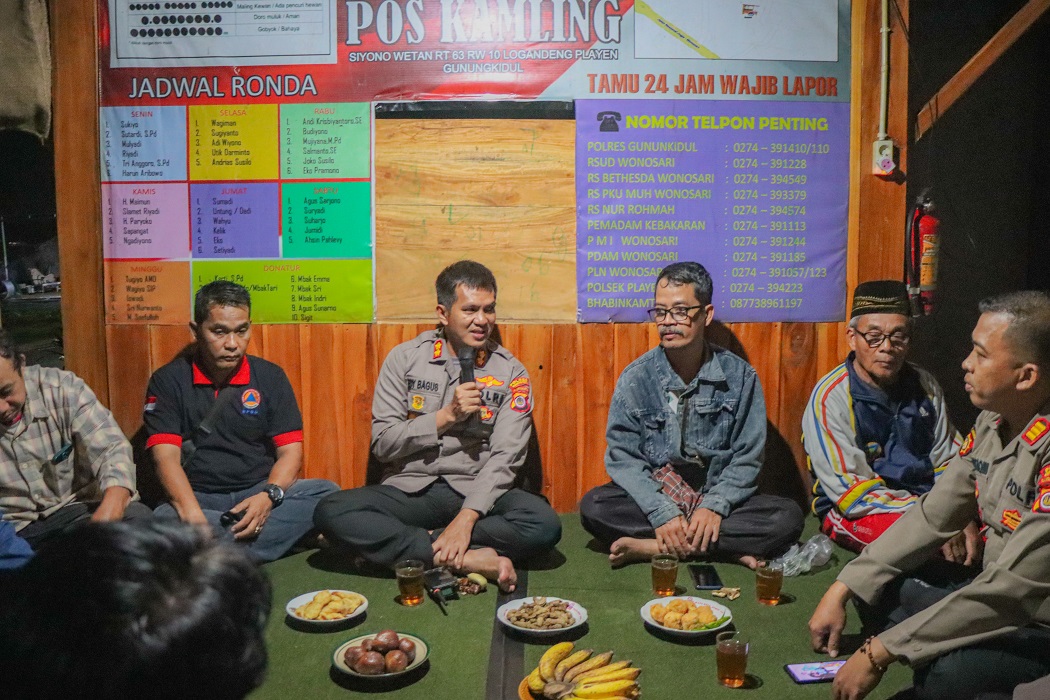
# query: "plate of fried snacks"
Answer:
x=567 y=672
x=540 y=615
x=327 y=607
x=686 y=615
x=383 y=655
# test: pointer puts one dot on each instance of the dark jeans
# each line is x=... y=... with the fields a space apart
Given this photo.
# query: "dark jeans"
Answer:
x=762 y=526
x=385 y=524
x=989 y=669
x=286 y=525
x=66 y=518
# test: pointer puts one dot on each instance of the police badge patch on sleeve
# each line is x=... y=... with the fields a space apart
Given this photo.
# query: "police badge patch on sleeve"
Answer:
x=520 y=395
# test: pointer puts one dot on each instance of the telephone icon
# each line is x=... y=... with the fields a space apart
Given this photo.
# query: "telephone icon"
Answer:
x=609 y=121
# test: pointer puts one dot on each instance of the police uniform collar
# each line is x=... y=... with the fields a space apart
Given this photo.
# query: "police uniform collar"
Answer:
x=443 y=349
x=240 y=377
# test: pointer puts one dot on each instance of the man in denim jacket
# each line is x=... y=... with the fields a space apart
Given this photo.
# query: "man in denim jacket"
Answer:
x=686 y=437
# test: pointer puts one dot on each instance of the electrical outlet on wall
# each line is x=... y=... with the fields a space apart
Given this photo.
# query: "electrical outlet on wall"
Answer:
x=884 y=157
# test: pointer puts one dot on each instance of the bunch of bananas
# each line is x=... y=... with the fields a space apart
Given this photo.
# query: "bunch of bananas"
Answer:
x=567 y=675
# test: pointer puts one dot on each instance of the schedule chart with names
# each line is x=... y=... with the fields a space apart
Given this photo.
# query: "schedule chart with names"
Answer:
x=275 y=197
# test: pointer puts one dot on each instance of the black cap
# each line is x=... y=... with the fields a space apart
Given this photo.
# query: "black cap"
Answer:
x=880 y=297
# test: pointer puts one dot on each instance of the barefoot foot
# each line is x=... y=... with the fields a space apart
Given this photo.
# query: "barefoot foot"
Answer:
x=487 y=562
x=628 y=550
x=748 y=561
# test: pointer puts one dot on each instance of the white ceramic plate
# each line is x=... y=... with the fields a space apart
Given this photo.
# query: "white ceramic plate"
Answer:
x=718 y=609
x=422 y=652
x=307 y=597
x=578 y=612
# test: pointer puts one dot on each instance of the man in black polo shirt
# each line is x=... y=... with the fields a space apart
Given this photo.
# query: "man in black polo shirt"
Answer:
x=226 y=433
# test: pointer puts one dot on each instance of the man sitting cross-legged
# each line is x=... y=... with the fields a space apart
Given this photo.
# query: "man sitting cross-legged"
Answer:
x=226 y=433
x=876 y=429
x=686 y=437
x=452 y=446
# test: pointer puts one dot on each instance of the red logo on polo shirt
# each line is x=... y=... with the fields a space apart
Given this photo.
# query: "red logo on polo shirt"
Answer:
x=251 y=398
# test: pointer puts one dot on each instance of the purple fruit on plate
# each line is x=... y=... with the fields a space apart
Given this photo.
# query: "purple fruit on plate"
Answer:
x=353 y=655
x=371 y=663
x=396 y=661
x=385 y=641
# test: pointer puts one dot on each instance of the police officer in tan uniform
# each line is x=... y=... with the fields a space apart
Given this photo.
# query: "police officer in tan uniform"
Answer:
x=450 y=448
x=989 y=633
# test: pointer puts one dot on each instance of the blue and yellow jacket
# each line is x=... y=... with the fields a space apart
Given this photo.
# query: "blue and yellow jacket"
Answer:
x=871 y=451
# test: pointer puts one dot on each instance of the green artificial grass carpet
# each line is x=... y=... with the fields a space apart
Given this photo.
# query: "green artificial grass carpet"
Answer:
x=300 y=661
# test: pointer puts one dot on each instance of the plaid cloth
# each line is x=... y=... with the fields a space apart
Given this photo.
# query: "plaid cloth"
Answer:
x=66 y=447
x=674 y=487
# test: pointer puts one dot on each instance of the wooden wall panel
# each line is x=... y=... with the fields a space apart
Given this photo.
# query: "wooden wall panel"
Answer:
x=77 y=189
x=563 y=417
x=596 y=375
x=878 y=205
x=798 y=376
x=324 y=404
x=502 y=193
x=132 y=365
x=463 y=153
x=360 y=368
x=280 y=343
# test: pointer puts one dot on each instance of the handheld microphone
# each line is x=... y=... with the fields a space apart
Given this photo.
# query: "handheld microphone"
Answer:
x=466 y=364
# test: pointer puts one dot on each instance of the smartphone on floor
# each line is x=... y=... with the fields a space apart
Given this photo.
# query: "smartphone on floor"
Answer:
x=705 y=578
x=814 y=671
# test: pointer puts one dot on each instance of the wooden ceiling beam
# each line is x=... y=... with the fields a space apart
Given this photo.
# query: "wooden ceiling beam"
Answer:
x=959 y=83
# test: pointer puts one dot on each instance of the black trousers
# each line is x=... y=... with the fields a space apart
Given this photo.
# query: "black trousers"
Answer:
x=762 y=526
x=989 y=669
x=38 y=532
x=385 y=524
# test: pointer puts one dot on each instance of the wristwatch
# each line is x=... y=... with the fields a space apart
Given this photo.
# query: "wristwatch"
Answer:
x=275 y=492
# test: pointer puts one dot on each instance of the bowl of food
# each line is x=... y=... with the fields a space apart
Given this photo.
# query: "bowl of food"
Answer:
x=685 y=615
x=387 y=654
x=540 y=615
x=327 y=607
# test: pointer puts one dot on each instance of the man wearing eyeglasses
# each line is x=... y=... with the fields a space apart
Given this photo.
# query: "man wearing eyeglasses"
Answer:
x=685 y=443
x=876 y=430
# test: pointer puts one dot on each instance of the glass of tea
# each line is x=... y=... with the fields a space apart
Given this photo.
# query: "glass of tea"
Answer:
x=410 y=581
x=731 y=656
x=769 y=577
x=665 y=574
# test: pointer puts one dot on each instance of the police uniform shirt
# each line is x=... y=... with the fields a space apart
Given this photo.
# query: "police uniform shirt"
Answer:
x=260 y=416
x=1009 y=487
x=478 y=457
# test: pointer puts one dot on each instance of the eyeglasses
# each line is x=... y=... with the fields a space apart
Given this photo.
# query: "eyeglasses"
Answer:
x=875 y=338
x=677 y=314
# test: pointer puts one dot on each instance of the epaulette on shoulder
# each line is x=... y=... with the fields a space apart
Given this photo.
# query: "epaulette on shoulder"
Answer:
x=1036 y=431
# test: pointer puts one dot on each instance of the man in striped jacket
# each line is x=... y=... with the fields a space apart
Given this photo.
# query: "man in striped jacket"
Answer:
x=876 y=430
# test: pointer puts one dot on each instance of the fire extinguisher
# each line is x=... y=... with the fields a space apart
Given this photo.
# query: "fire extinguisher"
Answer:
x=923 y=246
